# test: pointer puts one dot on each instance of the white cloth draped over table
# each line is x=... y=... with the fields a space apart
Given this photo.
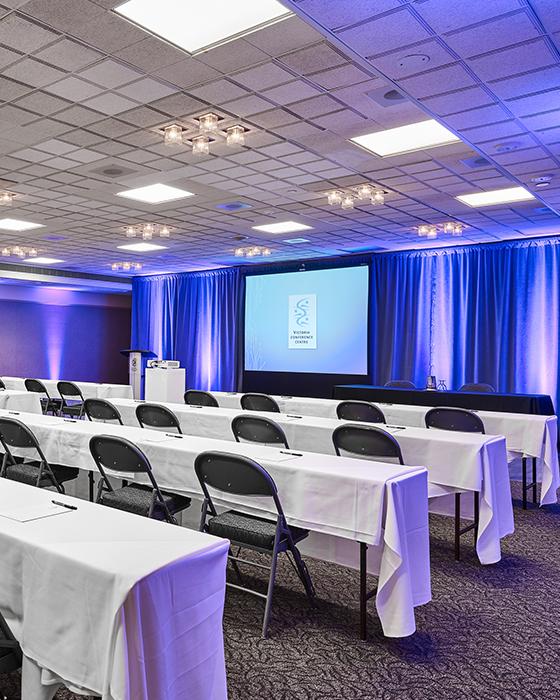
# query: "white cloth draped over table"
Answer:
x=454 y=460
x=527 y=435
x=90 y=390
x=111 y=603
x=20 y=401
x=341 y=500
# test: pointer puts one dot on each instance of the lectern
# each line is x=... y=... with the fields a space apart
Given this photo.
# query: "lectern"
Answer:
x=136 y=361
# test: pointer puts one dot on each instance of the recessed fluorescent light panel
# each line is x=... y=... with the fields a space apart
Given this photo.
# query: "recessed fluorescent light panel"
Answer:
x=282 y=227
x=155 y=194
x=406 y=139
x=488 y=199
x=296 y=240
x=197 y=26
x=43 y=261
x=17 y=225
x=142 y=247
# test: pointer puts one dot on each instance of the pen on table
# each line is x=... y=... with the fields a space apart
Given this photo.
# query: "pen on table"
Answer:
x=398 y=427
x=175 y=436
x=295 y=454
x=289 y=415
x=65 y=505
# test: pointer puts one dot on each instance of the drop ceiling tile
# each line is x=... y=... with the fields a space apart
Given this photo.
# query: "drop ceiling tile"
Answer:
x=547 y=11
x=42 y=103
x=511 y=61
x=476 y=117
x=10 y=89
x=187 y=72
x=56 y=147
x=438 y=81
x=33 y=72
x=73 y=89
x=261 y=77
x=233 y=56
x=316 y=106
x=78 y=116
x=7 y=57
x=343 y=13
x=499 y=33
x=535 y=81
x=147 y=90
x=290 y=92
x=313 y=59
x=60 y=163
x=385 y=33
x=444 y=16
x=290 y=34
x=150 y=53
x=218 y=91
x=110 y=74
x=21 y=34
x=462 y=100
x=245 y=106
x=534 y=104
x=427 y=55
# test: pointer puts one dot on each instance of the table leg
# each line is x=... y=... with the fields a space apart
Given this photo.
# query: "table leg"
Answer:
x=91 y=486
x=524 y=481
x=534 y=480
x=363 y=590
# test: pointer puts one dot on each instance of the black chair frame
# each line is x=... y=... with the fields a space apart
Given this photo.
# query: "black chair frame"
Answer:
x=138 y=463
x=482 y=387
x=30 y=441
x=360 y=408
x=243 y=423
x=400 y=384
x=144 y=408
x=251 y=401
x=67 y=391
x=12 y=660
x=48 y=403
x=262 y=486
x=196 y=397
x=477 y=426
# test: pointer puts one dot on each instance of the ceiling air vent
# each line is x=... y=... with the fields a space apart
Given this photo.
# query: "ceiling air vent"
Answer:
x=476 y=162
x=114 y=171
x=231 y=207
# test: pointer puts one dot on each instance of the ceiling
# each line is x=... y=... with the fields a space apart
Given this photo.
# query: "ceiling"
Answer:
x=82 y=92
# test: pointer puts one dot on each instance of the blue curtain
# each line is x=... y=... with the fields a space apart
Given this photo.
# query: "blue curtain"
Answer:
x=195 y=318
x=485 y=313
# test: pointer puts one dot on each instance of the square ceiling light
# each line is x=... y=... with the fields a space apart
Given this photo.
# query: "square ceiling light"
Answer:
x=155 y=194
x=282 y=227
x=43 y=261
x=142 y=247
x=17 y=225
x=493 y=197
x=406 y=139
x=197 y=26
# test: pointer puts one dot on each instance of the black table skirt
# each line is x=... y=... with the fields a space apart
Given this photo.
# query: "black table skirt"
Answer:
x=538 y=404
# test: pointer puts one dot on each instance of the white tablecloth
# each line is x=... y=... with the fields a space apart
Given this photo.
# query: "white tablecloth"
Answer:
x=526 y=434
x=20 y=401
x=90 y=390
x=347 y=500
x=113 y=604
x=455 y=460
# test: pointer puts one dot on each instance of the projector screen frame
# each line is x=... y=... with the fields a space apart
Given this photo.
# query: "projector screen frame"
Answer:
x=316 y=384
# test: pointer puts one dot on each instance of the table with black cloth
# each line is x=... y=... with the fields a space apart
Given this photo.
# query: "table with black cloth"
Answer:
x=537 y=404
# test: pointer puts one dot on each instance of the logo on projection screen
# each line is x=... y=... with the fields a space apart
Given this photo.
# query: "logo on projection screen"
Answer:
x=302 y=321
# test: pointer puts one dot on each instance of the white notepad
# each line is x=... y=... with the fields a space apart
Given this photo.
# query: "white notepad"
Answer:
x=24 y=514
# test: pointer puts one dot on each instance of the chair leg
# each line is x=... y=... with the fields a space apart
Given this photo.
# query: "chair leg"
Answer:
x=363 y=590
x=91 y=482
x=524 y=481
x=270 y=590
x=476 y=498
x=303 y=574
x=535 y=480
x=457 y=527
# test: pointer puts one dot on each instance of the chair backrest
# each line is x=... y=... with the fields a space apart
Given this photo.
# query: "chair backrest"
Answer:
x=194 y=397
x=400 y=384
x=155 y=416
x=101 y=410
x=118 y=454
x=361 y=411
x=2 y=385
x=486 y=388
x=259 y=402
x=70 y=390
x=367 y=441
x=36 y=386
x=258 y=429
x=14 y=433
x=234 y=474
x=454 y=419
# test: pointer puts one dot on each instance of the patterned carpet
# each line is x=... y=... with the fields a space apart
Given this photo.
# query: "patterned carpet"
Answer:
x=490 y=632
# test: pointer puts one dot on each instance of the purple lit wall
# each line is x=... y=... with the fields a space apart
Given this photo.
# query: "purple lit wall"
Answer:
x=63 y=334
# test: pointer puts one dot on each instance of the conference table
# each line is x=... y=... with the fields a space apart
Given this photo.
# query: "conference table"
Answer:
x=351 y=507
x=527 y=435
x=20 y=401
x=540 y=404
x=90 y=390
x=455 y=461
x=94 y=595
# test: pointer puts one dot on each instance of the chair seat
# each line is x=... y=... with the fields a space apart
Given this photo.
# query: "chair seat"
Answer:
x=138 y=499
x=249 y=530
x=75 y=409
x=26 y=473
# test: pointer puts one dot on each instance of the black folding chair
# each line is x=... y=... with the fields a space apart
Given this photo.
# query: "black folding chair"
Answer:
x=193 y=397
x=400 y=384
x=461 y=420
x=10 y=651
x=258 y=429
x=360 y=411
x=259 y=402
x=366 y=441
x=101 y=410
x=14 y=433
x=2 y=385
x=72 y=399
x=241 y=476
x=153 y=415
x=481 y=387
x=120 y=455
x=47 y=402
